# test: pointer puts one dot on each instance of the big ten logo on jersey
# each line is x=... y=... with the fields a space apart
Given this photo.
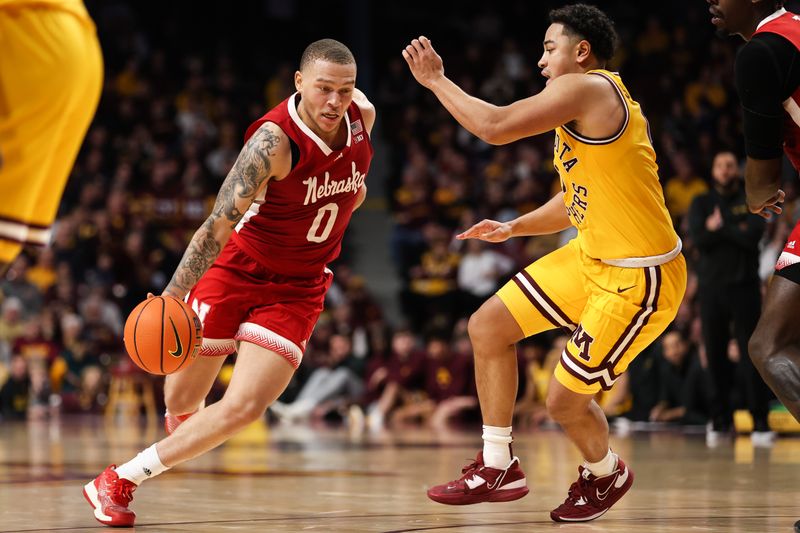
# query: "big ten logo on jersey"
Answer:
x=583 y=341
x=357 y=130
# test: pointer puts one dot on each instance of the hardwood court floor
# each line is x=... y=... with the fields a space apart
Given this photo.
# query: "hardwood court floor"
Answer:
x=303 y=479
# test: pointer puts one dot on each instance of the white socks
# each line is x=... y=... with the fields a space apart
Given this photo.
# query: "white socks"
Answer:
x=604 y=466
x=145 y=465
x=496 y=446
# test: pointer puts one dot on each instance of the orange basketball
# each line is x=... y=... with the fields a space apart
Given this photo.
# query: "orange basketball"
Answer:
x=163 y=335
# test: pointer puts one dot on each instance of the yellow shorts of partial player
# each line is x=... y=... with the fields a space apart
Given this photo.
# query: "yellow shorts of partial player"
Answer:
x=611 y=313
x=51 y=75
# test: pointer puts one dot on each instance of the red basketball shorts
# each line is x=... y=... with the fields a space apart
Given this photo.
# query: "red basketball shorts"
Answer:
x=788 y=264
x=240 y=300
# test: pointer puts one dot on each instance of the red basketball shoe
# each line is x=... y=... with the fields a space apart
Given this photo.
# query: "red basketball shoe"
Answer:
x=591 y=496
x=171 y=422
x=110 y=495
x=480 y=483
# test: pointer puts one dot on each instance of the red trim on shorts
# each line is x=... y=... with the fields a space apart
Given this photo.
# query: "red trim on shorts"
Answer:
x=217 y=347
x=261 y=336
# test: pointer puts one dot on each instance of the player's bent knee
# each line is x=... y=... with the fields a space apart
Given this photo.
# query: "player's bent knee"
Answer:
x=476 y=326
x=557 y=408
x=564 y=407
x=760 y=347
x=242 y=413
x=483 y=330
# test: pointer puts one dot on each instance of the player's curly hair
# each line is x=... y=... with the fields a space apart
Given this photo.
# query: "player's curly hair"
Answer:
x=588 y=22
x=329 y=50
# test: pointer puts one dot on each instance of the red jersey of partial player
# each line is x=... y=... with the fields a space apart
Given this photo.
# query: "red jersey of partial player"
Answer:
x=787 y=26
x=295 y=228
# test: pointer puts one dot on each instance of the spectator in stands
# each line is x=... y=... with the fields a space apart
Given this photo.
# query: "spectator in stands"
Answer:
x=11 y=326
x=683 y=383
x=335 y=383
x=681 y=188
x=401 y=375
x=643 y=384
x=42 y=403
x=727 y=238
x=538 y=363
x=447 y=377
x=480 y=273
x=15 y=392
x=432 y=295
x=81 y=378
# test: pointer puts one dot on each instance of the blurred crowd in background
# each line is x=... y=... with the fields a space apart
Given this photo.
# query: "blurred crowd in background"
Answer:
x=170 y=126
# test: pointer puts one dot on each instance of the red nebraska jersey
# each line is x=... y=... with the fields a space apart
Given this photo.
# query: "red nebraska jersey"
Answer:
x=787 y=26
x=295 y=227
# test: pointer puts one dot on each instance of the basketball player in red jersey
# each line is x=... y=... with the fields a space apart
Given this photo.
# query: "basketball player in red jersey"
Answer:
x=255 y=271
x=768 y=82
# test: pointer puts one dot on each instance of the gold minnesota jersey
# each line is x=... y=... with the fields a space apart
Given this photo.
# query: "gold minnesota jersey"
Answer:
x=75 y=7
x=611 y=188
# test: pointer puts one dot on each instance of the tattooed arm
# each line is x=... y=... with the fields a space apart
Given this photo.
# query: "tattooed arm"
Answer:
x=266 y=155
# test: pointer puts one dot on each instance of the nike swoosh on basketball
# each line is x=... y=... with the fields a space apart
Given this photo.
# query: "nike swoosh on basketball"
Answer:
x=338 y=157
x=620 y=289
x=178 y=344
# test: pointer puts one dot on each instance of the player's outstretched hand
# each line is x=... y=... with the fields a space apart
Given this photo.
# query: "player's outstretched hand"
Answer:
x=424 y=62
x=769 y=207
x=487 y=230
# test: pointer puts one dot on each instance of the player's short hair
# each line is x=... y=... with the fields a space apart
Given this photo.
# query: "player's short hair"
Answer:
x=591 y=24
x=329 y=50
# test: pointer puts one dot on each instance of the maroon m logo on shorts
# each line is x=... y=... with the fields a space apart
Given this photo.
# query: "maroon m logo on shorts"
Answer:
x=583 y=341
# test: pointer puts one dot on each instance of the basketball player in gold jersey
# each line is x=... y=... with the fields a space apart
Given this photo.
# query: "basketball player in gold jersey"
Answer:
x=51 y=74
x=616 y=286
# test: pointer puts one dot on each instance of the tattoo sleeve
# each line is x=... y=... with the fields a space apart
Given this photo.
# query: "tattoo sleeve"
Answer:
x=251 y=170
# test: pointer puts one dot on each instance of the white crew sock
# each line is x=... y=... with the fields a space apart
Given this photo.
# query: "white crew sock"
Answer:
x=145 y=465
x=604 y=466
x=496 y=446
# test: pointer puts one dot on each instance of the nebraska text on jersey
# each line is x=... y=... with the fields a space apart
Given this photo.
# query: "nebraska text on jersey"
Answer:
x=330 y=187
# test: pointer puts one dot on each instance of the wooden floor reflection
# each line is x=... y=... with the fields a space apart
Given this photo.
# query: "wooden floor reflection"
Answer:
x=304 y=479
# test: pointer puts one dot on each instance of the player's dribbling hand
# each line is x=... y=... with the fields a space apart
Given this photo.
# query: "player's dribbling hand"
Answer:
x=767 y=208
x=424 y=62
x=487 y=230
